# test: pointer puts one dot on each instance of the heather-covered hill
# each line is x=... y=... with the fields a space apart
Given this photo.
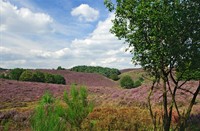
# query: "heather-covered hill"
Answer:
x=18 y=92
x=19 y=98
x=80 y=78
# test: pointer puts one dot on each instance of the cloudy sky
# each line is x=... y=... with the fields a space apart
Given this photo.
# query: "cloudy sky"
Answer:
x=52 y=33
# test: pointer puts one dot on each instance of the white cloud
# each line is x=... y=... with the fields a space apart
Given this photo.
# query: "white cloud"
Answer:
x=23 y=20
x=102 y=48
x=52 y=54
x=17 y=49
x=85 y=13
x=4 y=50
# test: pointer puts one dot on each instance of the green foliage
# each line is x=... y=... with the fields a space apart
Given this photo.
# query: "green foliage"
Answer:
x=4 y=76
x=78 y=106
x=159 y=33
x=56 y=79
x=49 y=78
x=39 y=76
x=47 y=98
x=27 y=76
x=141 y=79
x=114 y=77
x=60 y=68
x=137 y=83
x=127 y=82
x=107 y=72
x=16 y=73
x=48 y=115
x=59 y=79
x=188 y=75
x=165 y=36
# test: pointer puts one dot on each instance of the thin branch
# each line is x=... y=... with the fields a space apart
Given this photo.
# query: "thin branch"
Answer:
x=187 y=91
x=153 y=117
x=182 y=84
x=172 y=77
x=173 y=97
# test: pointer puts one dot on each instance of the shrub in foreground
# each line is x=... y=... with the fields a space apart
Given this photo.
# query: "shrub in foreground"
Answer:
x=78 y=106
x=51 y=116
x=48 y=115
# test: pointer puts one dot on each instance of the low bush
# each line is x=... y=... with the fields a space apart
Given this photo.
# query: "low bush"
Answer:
x=49 y=78
x=114 y=77
x=51 y=115
x=59 y=79
x=48 y=115
x=39 y=77
x=137 y=83
x=127 y=82
x=78 y=106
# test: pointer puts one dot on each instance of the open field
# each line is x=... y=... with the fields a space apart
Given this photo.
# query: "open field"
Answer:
x=112 y=103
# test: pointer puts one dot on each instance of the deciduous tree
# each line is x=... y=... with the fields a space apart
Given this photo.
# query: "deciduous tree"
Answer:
x=165 y=35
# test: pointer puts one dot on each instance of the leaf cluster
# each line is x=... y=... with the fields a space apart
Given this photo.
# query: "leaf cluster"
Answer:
x=105 y=71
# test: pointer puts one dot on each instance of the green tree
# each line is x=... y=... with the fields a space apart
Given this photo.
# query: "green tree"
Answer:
x=15 y=73
x=27 y=76
x=165 y=36
x=60 y=68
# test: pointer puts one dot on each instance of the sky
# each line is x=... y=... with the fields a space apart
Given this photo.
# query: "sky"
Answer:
x=52 y=33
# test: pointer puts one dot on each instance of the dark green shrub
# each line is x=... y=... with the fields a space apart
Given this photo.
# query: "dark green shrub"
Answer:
x=114 y=77
x=48 y=115
x=27 y=76
x=4 y=76
x=49 y=78
x=60 y=68
x=16 y=73
x=137 y=83
x=78 y=106
x=39 y=77
x=141 y=79
x=127 y=82
x=59 y=79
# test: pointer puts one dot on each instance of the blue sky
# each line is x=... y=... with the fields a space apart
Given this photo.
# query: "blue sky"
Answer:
x=52 y=33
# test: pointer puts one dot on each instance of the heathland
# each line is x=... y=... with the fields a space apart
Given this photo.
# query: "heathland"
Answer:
x=114 y=106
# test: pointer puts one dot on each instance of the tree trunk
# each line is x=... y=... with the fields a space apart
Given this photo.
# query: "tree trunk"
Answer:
x=187 y=115
x=166 y=119
x=153 y=117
